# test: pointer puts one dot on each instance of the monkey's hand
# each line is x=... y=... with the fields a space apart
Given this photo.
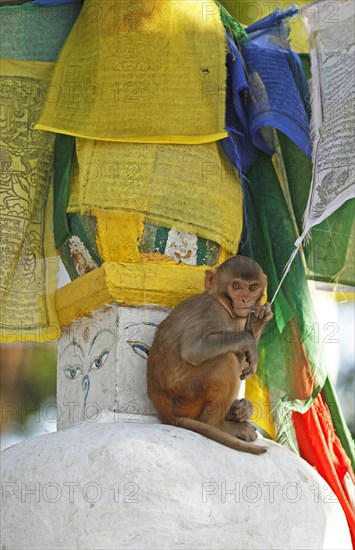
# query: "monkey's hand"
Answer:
x=258 y=317
x=252 y=358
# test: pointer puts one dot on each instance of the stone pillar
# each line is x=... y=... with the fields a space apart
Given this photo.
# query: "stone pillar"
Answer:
x=102 y=364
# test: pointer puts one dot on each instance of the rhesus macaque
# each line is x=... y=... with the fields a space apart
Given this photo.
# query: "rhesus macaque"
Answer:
x=202 y=350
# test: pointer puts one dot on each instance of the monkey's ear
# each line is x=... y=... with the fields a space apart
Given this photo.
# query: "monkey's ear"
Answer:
x=210 y=279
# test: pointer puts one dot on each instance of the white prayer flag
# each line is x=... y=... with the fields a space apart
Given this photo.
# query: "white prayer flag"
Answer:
x=333 y=111
x=333 y=114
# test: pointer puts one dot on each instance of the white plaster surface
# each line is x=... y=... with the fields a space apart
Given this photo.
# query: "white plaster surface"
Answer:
x=139 y=484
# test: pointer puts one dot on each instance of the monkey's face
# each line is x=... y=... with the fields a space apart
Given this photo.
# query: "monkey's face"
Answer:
x=243 y=295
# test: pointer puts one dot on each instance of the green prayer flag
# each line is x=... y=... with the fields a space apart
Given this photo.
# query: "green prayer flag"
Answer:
x=35 y=32
x=291 y=364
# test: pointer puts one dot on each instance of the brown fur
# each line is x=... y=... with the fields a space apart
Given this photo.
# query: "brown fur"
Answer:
x=202 y=350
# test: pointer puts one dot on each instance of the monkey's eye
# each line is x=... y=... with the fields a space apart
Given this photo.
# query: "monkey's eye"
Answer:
x=72 y=372
x=236 y=286
x=253 y=287
x=99 y=362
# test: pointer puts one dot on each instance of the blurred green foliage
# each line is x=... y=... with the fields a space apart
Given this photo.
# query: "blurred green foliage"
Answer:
x=40 y=373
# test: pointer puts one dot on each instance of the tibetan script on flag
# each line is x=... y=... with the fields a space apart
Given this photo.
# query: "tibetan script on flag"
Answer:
x=333 y=105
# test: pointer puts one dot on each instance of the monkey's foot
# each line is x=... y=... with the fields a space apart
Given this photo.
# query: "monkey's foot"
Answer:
x=247 y=431
x=242 y=430
x=241 y=410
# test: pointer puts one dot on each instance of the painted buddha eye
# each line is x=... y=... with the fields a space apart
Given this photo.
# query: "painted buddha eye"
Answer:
x=139 y=348
x=99 y=362
x=72 y=372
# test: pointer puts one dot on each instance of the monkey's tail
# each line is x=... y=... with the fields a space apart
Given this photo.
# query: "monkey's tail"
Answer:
x=218 y=435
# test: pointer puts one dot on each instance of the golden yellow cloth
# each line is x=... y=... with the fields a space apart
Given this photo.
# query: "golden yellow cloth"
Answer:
x=28 y=265
x=193 y=188
x=155 y=74
x=118 y=235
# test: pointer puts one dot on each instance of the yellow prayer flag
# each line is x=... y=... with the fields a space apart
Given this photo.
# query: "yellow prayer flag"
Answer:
x=259 y=396
x=28 y=264
x=193 y=188
x=155 y=74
